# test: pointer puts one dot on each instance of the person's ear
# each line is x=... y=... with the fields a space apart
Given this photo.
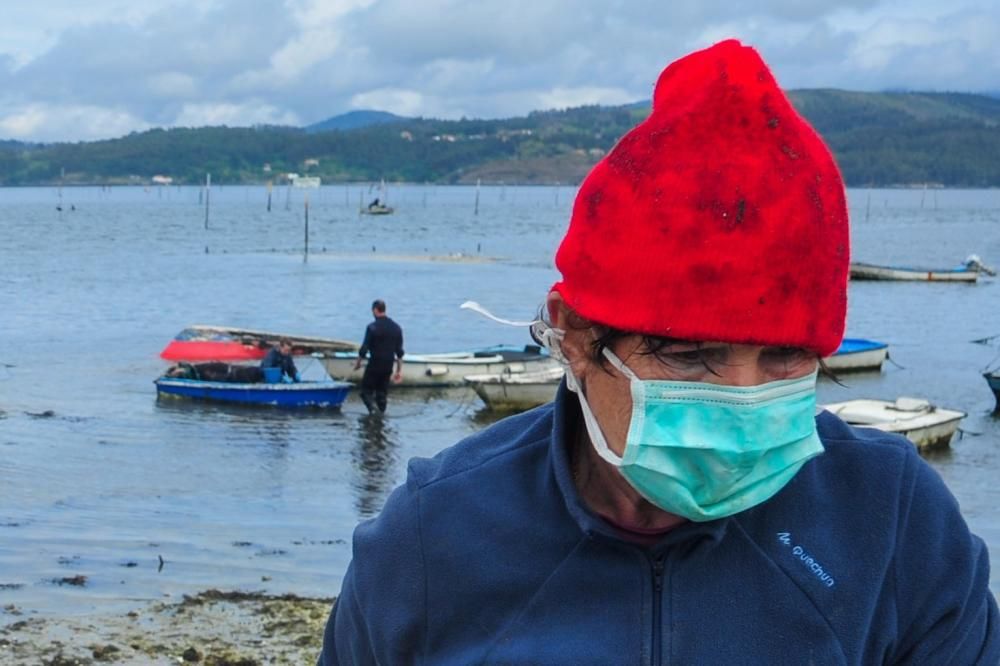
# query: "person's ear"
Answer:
x=556 y=307
x=574 y=342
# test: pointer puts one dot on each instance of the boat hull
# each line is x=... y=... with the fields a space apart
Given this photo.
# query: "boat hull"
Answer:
x=873 y=272
x=433 y=370
x=328 y=395
x=856 y=354
x=927 y=426
x=503 y=392
x=993 y=379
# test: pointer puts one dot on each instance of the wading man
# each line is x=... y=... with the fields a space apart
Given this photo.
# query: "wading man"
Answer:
x=383 y=344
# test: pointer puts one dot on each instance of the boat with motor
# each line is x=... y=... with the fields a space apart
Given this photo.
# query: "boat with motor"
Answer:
x=968 y=271
x=857 y=354
x=926 y=425
x=993 y=379
x=517 y=391
x=248 y=385
x=448 y=369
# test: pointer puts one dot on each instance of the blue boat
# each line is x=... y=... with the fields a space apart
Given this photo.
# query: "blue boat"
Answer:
x=858 y=354
x=325 y=394
x=993 y=379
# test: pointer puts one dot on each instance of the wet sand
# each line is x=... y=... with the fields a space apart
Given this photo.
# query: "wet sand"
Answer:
x=213 y=628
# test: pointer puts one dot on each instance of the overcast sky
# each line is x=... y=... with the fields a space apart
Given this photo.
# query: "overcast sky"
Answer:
x=73 y=70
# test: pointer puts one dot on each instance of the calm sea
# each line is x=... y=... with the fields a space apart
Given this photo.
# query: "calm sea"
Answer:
x=98 y=478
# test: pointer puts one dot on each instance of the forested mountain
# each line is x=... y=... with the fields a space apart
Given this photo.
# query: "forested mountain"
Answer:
x=354 y=120
x=880 y=139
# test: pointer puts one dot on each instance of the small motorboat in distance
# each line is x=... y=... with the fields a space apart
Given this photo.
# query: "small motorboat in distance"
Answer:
x=378 y=209
x=448 y=369
x=504 y=391
x=968 y=272
x=855 y=354
x=927 y=426
x=222 y=343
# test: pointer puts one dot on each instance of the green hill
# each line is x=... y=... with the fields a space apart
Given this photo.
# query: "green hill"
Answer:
x=880 y=139
x=354 y=120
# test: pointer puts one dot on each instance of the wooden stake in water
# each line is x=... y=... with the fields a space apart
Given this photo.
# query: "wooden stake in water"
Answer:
x=305 y=251
x=208 y=188
x=269 y=183
x=62 y=175
x=868 y=206
x=478 y=181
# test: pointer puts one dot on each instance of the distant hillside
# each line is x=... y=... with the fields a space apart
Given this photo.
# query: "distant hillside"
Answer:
x=879 y=139
x=354 y=120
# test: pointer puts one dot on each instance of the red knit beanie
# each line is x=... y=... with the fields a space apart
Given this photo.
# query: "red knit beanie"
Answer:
x=722 y=217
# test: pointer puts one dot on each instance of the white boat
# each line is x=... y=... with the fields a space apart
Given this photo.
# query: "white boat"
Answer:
x=448 y=369
x=968 y=272
x=304 y=181
x=858 y=354
x=927 y=426
x=517 y=391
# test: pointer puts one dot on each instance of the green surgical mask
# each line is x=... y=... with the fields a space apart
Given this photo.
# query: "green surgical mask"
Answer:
x=706 y=451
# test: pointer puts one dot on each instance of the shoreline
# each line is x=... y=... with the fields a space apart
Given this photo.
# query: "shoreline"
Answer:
x=213 y=627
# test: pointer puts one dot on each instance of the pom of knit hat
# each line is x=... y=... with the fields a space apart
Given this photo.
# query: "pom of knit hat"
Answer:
x=721 y=217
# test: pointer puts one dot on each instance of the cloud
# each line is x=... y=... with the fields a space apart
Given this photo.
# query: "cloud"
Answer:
x=561 y=98
x=172 y=85
x=45 y=122
x=239 y=62
x=225 y=113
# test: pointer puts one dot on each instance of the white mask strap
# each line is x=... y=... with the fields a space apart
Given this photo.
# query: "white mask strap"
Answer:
x=549 y=337
x=476 y=307
x=618 y=363
x=593 y=427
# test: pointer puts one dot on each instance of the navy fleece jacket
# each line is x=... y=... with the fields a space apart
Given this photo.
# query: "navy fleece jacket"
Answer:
x=487 y=556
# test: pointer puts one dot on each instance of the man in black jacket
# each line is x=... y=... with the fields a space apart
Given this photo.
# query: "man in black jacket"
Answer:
x=384 y=341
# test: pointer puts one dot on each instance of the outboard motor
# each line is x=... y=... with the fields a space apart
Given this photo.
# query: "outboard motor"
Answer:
x=973 y=262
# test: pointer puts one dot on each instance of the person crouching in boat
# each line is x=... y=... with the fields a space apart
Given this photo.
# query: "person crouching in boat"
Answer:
x=281 y=357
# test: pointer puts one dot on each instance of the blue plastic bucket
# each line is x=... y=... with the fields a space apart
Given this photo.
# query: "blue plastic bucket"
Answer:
x=272 y=375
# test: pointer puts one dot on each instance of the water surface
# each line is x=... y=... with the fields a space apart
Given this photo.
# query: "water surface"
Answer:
x=100 y=479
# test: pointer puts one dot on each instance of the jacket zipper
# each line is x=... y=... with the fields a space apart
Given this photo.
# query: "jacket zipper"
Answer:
x=657 y=648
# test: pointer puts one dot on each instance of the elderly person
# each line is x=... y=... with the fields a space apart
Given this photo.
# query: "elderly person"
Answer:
x=681 y=501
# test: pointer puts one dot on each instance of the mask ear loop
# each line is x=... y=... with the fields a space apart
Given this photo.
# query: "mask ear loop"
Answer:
x=597 y=438
x=619 y=364
x=547 y=336
x=551 y=338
